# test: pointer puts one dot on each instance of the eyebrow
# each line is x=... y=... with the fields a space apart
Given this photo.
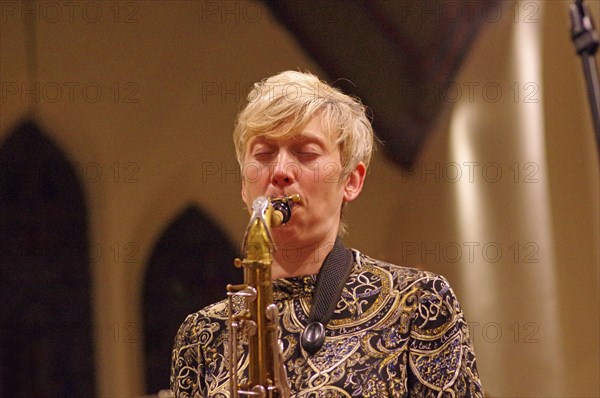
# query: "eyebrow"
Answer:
x=299 y=137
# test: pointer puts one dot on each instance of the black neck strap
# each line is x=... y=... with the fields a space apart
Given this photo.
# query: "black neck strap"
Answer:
x=330 y=282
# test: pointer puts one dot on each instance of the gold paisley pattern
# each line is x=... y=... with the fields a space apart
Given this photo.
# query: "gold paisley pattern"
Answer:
x=396 y=332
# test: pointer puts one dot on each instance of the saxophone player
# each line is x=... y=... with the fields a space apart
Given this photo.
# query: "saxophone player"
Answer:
x=349 y=325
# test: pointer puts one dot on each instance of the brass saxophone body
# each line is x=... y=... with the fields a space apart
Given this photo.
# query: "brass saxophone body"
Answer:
x=259 y=322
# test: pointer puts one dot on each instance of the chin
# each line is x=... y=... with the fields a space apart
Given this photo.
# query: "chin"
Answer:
x=282 y=229
x=283 y=232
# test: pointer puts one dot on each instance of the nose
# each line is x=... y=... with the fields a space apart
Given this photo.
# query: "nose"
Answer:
x=284 y=170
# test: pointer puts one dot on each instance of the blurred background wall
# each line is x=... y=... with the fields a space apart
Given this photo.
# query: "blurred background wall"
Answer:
x=121 y=207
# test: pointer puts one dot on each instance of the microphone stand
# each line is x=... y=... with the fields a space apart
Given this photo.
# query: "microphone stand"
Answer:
x=586 y=41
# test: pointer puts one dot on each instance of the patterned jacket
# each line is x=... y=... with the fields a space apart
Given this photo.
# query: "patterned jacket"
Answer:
x=396 y=332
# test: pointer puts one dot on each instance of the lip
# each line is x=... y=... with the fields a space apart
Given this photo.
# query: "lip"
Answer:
x=279 y=194
x=285 y=195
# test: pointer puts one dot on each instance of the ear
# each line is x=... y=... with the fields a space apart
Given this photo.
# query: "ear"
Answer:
x=354 y=183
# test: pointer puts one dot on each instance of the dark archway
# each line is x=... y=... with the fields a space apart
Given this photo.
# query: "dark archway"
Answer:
x=189 y=269
x=400 y=57
x=45 y=316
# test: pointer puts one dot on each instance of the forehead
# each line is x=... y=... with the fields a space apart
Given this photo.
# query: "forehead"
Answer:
x=314 y=130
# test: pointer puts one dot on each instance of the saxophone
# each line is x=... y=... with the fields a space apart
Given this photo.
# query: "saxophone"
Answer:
x=259 y=321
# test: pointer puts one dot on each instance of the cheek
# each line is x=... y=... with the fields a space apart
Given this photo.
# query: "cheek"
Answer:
x=328 y=172
x=244 y=195
x=252 y=173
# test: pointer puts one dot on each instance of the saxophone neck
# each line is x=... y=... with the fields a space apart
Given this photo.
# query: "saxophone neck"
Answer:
x=258 y=244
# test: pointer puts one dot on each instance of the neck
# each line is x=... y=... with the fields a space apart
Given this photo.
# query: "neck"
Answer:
x=300 y=261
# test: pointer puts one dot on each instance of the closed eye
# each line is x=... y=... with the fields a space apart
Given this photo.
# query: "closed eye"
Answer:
x=262 y=152
x=263 y=156
x=308 y=154
x=308 y=150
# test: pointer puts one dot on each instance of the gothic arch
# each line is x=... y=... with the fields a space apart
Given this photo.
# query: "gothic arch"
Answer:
x=46 y=334
x=189 y=268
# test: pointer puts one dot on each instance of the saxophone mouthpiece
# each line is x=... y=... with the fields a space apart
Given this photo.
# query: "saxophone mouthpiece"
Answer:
x=277 y=218
x=282 y=209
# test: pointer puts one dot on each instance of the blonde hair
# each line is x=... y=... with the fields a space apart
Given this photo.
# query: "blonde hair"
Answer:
x=280 y=106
